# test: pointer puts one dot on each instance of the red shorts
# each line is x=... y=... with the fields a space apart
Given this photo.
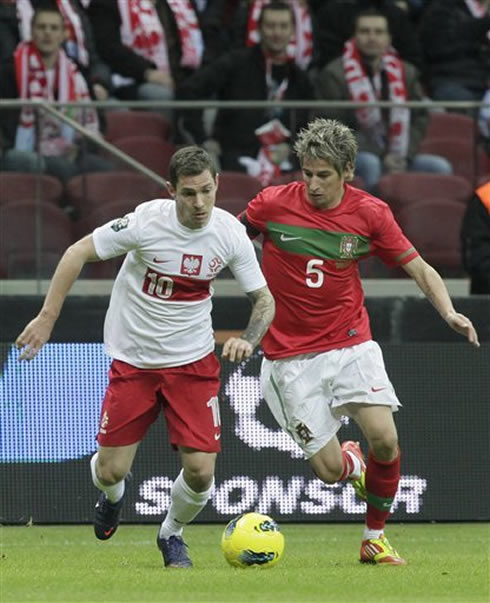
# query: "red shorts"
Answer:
x=188 y=395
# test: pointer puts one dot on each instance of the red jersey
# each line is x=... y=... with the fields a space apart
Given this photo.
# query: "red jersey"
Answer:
x=310 y=261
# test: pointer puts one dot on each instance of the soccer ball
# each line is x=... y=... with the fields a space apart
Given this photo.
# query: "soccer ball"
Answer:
x=252 y=539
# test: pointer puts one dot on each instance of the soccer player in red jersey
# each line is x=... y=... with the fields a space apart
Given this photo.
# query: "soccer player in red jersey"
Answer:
x=158 y=331
x=320 y=360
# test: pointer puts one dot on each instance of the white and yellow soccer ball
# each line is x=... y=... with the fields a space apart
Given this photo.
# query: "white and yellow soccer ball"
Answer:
x=252 y=540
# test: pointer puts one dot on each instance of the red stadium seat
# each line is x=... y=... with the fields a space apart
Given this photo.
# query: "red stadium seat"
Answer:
x=151 y=151
x=18 y=241
x=466 y=159
x=407 y=188
x=26 y=186
x=98 y=216
x=434 y=229
x=93 y=189
x=451 y=125
x=123 y=124
x=235 y=190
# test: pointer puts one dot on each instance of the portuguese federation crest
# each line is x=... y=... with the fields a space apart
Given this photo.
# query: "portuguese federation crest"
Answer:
x=348 y=246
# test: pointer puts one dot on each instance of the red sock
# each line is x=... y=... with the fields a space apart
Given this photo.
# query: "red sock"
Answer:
x=381 y=484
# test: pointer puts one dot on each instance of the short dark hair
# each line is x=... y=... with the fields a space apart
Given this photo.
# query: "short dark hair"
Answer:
x=47 y=7
x=190 y=161
x=276 y=6
x=371 y=12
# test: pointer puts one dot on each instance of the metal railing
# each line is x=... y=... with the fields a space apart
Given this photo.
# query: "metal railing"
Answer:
x=315 y=106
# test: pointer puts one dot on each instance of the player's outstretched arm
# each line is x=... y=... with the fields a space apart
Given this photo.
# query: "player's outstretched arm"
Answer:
x=38 y=331
x=432 y=285
x=237 y=349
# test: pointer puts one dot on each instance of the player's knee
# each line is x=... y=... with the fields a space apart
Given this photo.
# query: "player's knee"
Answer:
x=385 y=446
x=199 y=478
x=110 y=473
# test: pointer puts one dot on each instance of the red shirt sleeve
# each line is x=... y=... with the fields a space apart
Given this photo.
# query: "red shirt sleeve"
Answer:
x=254 y=216
x=389 y=242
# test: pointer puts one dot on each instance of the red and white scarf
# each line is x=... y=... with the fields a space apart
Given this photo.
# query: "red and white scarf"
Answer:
x=68 y=85
x=73 y=28
x=142 y=31
x=362 y=89
x=300 y=49
x=267 y=167
x=478 y=11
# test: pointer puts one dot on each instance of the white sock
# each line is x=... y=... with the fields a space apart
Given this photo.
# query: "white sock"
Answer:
x=371 y=534
x=184 y=506
x=114 y=492
x=356 y=472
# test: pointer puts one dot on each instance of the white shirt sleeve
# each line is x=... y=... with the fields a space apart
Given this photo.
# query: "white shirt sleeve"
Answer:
x=117 y=237
x=244 y=265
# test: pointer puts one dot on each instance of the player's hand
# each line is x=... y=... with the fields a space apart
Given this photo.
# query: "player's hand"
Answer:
x=162 y=78
x=394 y=163
x=100 y=92
x=463 y=325
x=33 y=337
x=237 y=349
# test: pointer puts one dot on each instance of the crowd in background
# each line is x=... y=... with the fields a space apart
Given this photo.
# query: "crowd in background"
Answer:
x=164 y=50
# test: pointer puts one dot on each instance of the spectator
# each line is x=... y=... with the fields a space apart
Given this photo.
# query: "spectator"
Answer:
x=456 y=39
x=258 y=72
x=79 y=45
x=370 y=70
x=475 y=240
x=212 y=15
x=335 y=24
x=40 y=70
x=9 y=30
x=247 y=32
x=150 y=45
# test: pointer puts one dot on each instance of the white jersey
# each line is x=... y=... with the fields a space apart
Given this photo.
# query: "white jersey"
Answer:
x=160 y=309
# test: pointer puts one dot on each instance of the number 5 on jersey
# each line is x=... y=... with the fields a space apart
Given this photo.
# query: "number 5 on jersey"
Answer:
x=314 y=274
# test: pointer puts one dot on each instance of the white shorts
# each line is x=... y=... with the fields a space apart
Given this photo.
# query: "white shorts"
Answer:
x=307 y=393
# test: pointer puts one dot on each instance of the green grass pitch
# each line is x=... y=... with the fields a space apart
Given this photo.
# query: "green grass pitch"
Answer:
x=447 y=562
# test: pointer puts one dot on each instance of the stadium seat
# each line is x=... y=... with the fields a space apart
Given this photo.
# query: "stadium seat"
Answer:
x=235 y=190
x=407 y=188
x=97 y=217
x=18 y=241
x=434 y=229
x=93 y=189
x=466 y=159
x=23 y=186
x=151 y=151
x=451 y=125
x=124 y=124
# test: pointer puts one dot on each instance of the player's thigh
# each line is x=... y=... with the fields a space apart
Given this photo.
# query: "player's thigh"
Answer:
x=295 y=392
x=378 y=426
x=130 y=405
x=361 y=378
x=191 y=404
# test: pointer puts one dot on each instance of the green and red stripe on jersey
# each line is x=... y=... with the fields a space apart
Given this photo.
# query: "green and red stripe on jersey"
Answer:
x=310 y=260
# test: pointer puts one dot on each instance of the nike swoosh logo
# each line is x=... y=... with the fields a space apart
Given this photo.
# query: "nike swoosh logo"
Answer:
x=109 y=532
x=157 y=261
x=217 y=436
x=377 y=389
x=285 y=238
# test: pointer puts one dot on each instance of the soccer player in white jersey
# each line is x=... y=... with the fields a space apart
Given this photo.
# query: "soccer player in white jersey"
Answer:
x=158 y=332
